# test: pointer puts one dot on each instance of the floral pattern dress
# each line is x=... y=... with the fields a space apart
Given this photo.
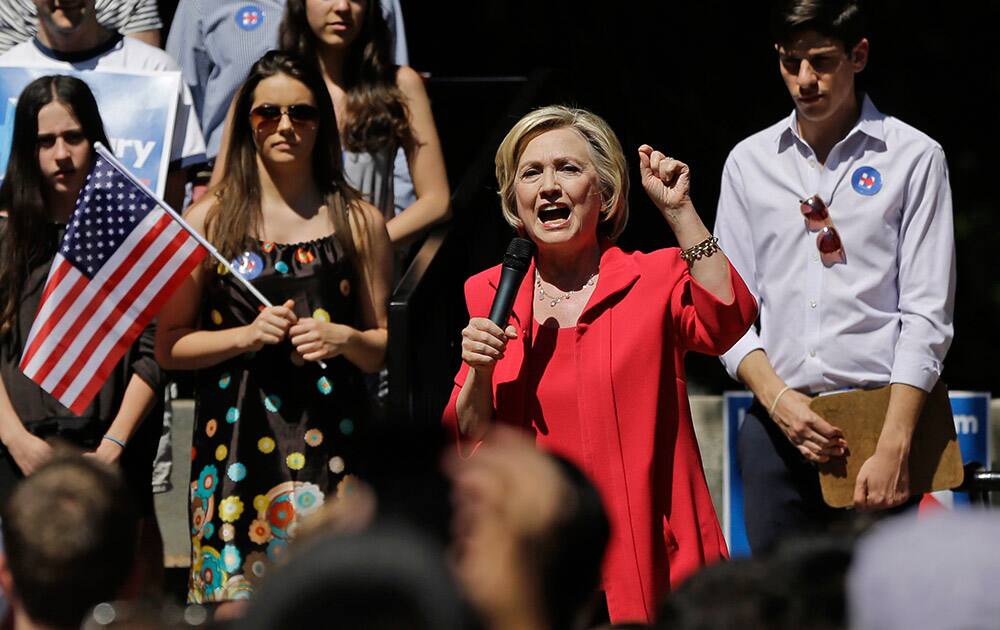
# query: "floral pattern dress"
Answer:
x=275 y=437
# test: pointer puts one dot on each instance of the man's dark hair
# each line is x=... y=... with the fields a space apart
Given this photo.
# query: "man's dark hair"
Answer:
x=842 y=20
x=798 y=586
x=387 y=576
x=70 y=537
x=731 y=594
x=570 y=555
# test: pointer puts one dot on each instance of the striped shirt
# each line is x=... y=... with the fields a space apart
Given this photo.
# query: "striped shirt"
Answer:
x=19 y=18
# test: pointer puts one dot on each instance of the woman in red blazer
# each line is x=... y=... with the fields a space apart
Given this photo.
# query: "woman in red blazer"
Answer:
x=592 y=360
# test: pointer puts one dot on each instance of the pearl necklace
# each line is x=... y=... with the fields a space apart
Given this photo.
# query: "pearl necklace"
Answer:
x=542 y=295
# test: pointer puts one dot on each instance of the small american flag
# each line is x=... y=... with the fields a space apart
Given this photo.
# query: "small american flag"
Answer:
x=122 y=256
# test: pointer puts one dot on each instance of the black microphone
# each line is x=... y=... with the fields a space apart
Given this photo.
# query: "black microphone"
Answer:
x=515 y=265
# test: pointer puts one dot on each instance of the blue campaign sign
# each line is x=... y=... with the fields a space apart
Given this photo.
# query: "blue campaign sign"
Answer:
x=734 y=408
x=972 y=425
x=138 y=112
x=971 y=411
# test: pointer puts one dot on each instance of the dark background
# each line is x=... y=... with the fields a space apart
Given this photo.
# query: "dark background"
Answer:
x=695 y=78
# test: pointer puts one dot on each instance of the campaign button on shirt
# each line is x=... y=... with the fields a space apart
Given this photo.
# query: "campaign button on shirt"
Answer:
x=866 y=181
x=250 y=17
x=249 y=265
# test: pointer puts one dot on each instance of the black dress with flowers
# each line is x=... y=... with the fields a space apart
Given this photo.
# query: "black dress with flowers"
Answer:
x=275 y=437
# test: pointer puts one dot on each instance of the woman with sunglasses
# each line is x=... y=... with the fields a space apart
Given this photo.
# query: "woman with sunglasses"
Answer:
x=380 y=108
x=276 y=432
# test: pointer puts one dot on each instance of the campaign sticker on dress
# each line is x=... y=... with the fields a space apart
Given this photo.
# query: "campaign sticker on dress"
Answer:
x=250 y=17
x=248 y=264
x=866 y=181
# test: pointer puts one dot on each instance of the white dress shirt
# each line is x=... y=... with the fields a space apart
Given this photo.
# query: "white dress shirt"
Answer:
x=884 y=315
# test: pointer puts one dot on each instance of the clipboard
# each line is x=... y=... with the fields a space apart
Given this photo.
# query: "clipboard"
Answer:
x=935 y=460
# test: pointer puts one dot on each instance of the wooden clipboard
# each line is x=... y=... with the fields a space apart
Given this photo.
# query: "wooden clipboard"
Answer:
x=935 y=460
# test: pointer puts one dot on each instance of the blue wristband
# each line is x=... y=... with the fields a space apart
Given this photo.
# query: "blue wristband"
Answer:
x=115 y=440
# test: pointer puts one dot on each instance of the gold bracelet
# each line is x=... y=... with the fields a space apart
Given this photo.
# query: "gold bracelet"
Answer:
x=703 y=249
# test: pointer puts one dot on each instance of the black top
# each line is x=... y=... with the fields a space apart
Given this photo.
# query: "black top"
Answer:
x=46 y=417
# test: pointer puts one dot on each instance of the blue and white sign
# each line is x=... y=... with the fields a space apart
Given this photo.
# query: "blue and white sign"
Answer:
x=972 y=425
x=138 y=111
x=734 y=408
x=971 y=411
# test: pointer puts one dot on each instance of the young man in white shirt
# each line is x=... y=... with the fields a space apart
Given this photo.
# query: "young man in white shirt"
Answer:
x=857 y=293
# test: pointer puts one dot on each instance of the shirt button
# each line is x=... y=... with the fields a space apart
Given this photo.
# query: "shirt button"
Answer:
x=815 y=257
x=812 y=353
x=812 y=303
x=813 y=163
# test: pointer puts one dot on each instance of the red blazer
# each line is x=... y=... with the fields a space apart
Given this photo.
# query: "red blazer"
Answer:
x=644 y=315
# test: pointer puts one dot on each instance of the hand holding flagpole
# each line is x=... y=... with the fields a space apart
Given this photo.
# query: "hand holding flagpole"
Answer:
x=109 y=156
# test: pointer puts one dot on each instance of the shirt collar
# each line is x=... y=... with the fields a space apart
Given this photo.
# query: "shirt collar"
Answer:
x=871 y=122
x=80 y=55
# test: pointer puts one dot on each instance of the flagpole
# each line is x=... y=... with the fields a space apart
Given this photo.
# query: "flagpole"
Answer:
x=109 y=156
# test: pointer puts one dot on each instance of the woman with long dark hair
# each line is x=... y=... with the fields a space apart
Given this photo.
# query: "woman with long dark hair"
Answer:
x=380 y=107
x=276 y=434
x=56 y=125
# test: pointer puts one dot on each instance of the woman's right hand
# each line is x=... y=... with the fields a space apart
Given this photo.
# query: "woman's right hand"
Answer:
x=483 y=343
x=28 y=451
x=270 y=327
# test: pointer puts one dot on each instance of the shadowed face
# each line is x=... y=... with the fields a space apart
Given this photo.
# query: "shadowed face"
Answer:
x=336 y=23
x=64 y=16
x=64 y=153
x=284 y=119
x=819 y=73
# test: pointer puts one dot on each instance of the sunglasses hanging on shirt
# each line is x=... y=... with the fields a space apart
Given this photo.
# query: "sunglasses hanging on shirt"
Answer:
x=817 y=217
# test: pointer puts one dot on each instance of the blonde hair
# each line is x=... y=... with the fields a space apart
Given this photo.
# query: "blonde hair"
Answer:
x=605 y=152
